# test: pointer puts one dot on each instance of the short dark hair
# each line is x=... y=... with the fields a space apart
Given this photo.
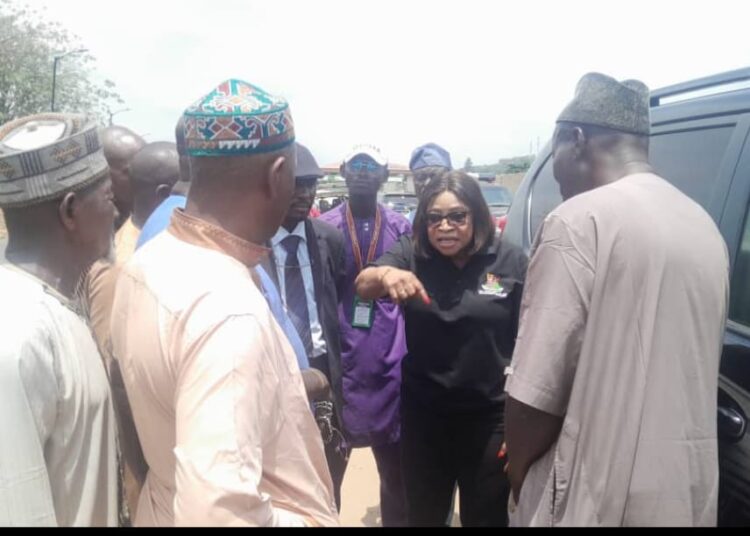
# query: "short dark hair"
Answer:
x=608 y=136
x=467 y=190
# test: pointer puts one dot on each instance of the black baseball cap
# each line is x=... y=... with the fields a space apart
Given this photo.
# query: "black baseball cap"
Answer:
x=307 y=167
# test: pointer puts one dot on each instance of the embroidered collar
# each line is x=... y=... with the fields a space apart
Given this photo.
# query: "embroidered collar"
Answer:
x=201 y=233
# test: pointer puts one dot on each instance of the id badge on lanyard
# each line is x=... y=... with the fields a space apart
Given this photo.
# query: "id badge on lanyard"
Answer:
x=364 y=313
x=364 y=310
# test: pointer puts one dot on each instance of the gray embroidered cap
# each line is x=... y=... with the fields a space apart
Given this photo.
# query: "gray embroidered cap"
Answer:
x=44 y=156
x=603 y=101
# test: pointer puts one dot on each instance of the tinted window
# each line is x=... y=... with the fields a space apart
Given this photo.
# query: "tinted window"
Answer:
x=497 y=195
x=739 y=304
x=545 y=196
x=691 y=160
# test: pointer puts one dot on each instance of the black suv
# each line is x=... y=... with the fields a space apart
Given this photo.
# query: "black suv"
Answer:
x=700 y=141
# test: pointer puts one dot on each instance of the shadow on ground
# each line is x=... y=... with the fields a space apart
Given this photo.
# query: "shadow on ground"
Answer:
x=372 y=518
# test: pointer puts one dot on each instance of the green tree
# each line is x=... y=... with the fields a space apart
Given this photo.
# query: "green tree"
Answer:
x=28 y=45
x=519 y=167
x=468 y=165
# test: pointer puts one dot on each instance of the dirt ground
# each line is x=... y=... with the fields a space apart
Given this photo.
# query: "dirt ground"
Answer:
x=360 y=493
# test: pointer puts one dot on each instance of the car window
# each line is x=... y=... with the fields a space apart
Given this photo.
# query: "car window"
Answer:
x=691 y=159
x=497 y=195
x=739 y=303
x=545 y=196
x=402 y=203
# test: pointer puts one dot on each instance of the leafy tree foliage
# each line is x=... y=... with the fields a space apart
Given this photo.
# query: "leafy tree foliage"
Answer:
x=28 y=45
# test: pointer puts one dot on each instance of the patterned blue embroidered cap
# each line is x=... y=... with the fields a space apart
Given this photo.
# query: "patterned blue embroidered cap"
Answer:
x=237 y=118
x=428 y=155
x=44 y=156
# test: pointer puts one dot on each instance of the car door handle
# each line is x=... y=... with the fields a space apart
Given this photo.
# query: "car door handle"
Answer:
x=732 y=425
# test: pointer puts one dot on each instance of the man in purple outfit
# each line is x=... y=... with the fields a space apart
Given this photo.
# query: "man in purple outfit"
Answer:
x=373 y=340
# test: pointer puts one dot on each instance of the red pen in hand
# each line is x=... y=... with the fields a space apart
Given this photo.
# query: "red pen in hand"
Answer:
x=502 y=455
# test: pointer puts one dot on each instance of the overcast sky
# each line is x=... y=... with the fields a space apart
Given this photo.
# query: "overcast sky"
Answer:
x=483 y=78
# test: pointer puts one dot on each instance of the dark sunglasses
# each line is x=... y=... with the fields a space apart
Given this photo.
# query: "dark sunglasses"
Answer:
x=454 y=218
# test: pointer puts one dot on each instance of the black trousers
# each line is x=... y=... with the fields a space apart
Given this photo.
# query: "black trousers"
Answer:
x=337 y=454
x=442 y=450
x=337 y=457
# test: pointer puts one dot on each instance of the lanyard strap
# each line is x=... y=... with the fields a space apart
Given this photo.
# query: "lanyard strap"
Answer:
x=355 y=241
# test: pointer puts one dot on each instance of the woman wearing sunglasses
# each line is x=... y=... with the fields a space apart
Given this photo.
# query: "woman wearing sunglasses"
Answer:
x=461 y=291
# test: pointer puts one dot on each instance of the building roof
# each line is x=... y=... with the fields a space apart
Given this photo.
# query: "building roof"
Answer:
x=394 y=168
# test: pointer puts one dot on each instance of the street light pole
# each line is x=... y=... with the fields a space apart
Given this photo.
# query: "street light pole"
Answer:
x=54 y=71
x=54 y=80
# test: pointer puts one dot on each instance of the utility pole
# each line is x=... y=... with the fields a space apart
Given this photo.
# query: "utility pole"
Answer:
x=112 y=114
x=54 y=72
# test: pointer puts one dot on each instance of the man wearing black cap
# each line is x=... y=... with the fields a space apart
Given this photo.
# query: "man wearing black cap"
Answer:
x=611 y=410
x=307 y=264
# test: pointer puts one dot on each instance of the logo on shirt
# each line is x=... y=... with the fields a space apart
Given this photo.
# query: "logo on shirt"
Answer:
x=493 y=287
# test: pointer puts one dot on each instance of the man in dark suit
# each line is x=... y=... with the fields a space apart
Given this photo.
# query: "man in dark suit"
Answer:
x=307 y=264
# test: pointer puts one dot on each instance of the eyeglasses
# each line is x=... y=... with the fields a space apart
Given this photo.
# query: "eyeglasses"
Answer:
x=362 y=165
x=455 y=219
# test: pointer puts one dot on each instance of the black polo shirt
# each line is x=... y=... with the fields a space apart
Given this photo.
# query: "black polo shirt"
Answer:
x=460 y=344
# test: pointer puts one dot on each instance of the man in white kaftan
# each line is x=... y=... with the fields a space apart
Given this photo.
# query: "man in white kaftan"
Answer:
x=58 y=454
